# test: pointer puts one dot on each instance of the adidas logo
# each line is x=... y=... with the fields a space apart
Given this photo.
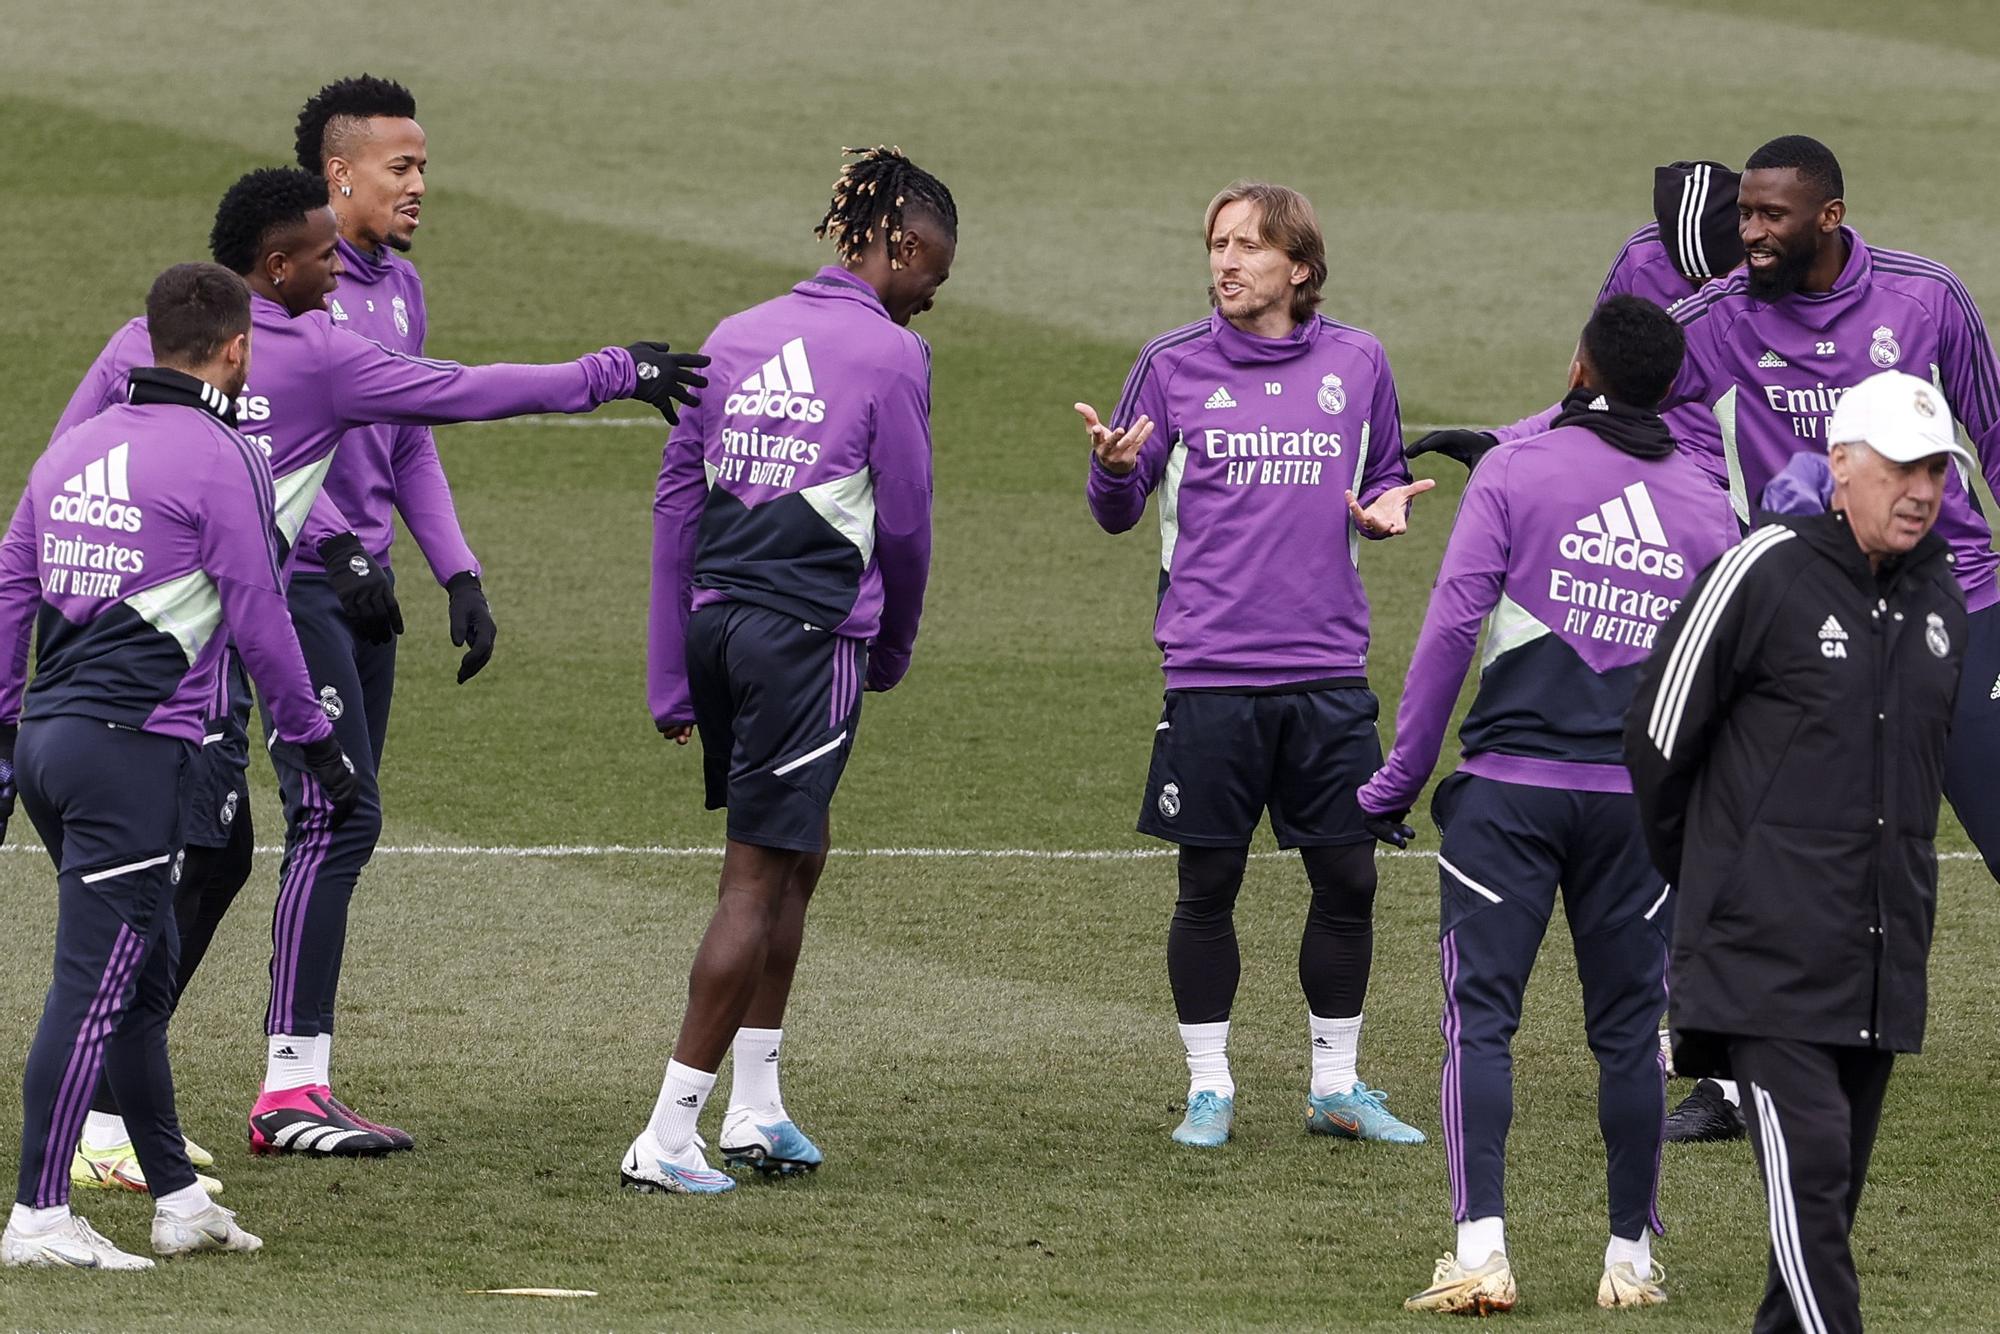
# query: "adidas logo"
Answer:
x=1219 y=399
x=772 y=1058
x=1771 y=361
x=99 y=495
x=1832 y=630
x=1625 y=534
x=782 y=388
x=1996 y=689
x=285 y=1054
x=688 y=1100
x=1322 y=1042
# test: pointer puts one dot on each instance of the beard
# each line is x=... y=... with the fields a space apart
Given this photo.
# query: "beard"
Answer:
x=1249 y=307
x=1783 y=278
x=401 y=242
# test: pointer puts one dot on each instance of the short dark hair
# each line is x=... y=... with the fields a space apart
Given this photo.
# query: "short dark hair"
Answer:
x=260 y=205
x=192 y=310
x=1811 y=159
x=1634 y=349
x=323 y=122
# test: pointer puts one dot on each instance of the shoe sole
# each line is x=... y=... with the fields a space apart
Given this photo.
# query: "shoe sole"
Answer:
x=1480 y=1304
x=647 y=1187
x=758 y=1159
x=273 y=1149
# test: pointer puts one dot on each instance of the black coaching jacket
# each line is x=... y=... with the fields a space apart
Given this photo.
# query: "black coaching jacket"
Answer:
x=1787 y=750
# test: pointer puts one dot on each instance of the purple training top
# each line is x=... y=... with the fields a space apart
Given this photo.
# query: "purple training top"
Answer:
x=1645 y=267
x=311 y=381
x=1771 y=373
x=1256 y=442
x=1574 y=553
x=802 y=482
x=380 y=471
x=144 y=544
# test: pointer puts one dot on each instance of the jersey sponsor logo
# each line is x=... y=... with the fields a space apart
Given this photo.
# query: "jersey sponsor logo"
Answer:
x=1935 y=639
x=100 y=495
x=1832 y=639
x=1219 y=399
x=1625 y=533
x=1332 y=397
x=782 y=389
x=1883 y=349
x=1771 y=361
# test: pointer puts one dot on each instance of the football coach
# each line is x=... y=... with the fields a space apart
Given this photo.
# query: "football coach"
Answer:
x=1787 y=749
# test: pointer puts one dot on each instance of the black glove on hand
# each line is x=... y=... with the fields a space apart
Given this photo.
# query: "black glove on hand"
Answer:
x=1468 y=447
x=1389 y=828
x=329 y=765
x=8 y=787
x=666 y=376
x=471 y=623
x=366 y=596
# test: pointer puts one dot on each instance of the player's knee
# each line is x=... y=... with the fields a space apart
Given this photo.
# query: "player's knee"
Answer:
x=1209 y=881
x=1343 y=885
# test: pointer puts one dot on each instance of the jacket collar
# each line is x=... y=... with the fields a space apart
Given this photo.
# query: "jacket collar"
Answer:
x=836 y=282
x=157 y=384
x=1818 y=310
x=1636 y=431
x=1829 y=535
x=1247 y=349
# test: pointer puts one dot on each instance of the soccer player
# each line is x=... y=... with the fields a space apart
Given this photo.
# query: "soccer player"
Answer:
x=315 y=381
x=1691 y=241
x=1573 y=546
x=791 y=547
x=1771 y=350
x=144 y=543
x=1272 y=435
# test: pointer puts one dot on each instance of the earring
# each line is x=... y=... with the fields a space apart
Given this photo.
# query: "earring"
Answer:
x=347 y=190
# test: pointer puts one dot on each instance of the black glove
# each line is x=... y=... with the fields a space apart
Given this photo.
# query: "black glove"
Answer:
x=1389 y=828
x=329 y=765
x=366 y=596
x=471 y=623
x=8 y=787
x=665 y=376
x=1468 y=447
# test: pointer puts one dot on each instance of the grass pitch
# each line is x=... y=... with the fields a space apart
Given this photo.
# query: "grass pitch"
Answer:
x=984 y=1046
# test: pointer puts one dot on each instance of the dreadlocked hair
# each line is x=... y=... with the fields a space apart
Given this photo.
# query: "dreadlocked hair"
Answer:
x=871 y=196
x=330 y=113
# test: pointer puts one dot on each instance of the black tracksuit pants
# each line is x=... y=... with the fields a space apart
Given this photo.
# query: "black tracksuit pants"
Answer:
x=1813 y=1112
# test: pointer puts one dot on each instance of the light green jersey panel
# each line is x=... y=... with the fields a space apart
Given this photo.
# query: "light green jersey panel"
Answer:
x=1725 y=417
x=1170 y=502
x=1509 y=626
x=296 y=492
x=848 y=504
x=188 y=608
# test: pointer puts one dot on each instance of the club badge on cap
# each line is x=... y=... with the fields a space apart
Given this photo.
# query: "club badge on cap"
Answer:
x=1899 y=416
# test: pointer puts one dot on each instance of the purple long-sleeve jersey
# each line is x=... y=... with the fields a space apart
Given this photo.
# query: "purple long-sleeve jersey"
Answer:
x=144 y=544
x=1256 y=442
x=312 y=381
x=1645 y=268
x=1574 y=553
x=802 y=482
x=1771 y=372
x=380 y=471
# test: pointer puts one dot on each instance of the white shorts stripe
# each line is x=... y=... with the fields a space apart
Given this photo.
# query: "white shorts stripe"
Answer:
x=1784 y=1214
x=129 y=867
x=810 y=755
x=1684 y=662
x=1657 y=902
x=1469 y=882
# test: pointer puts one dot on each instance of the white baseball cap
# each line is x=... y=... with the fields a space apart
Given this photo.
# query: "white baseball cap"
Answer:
x=1898 y=416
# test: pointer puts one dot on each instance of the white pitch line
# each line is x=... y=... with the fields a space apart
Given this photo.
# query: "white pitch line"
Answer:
x=659 y=425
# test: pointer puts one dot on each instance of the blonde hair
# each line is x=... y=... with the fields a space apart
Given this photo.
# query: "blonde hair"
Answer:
x=1285 y=219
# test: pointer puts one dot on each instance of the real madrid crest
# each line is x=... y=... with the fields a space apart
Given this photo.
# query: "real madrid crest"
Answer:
x=402 y=314
x=1883 y=350
x=1170 y=800
x=1332 y=398
x=1935 y=639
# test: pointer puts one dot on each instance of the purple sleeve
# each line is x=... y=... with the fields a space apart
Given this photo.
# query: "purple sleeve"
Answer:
x=1468 y=588
x=20 y=596
x=1384 y=467
x=423 y=498
x=899 y=458
x=1117 y=501
x=238 y=552
x=677 y=510
x=1700 y=327
x=323 y=520
x=1802 y=486
x=373 y=384
x=104 y=383
x=1969 y=376
x=1540 y=423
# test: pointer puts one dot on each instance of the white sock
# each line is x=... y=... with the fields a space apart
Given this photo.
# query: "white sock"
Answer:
x=288 y=1063
x=753 y=1079
x=185 y=1203
x=682 y=1094
x=104 y=1130
x=1730 y=1093
x=1208 y=1058
x=27 y=1218
x=1639 y=1254
x=1336 y=1046
x=322 y=1058
x=1480 y=1239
